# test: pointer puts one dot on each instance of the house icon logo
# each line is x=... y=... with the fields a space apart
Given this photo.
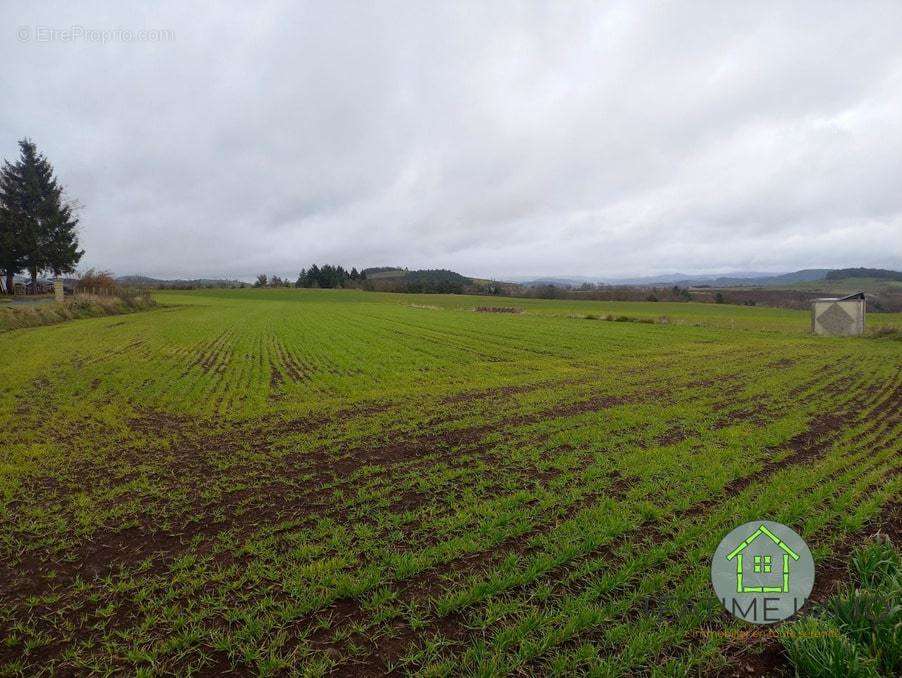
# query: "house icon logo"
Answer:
x=763 y=563
x=762 y=572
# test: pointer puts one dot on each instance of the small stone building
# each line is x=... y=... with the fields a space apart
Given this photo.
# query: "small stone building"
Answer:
x=839 y=317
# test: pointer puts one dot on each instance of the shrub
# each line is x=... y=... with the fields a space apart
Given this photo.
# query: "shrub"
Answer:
x=876 y=563
x=95 y=280
x=872 y=619
x=816 y=648
x=135 y=296
x=858 y=631
x=78 y=307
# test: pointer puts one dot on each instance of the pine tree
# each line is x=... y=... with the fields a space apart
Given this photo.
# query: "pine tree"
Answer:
x=41 y=223
x=62 y=251
x=12 y=245
x=313 y=276
x=11 y=261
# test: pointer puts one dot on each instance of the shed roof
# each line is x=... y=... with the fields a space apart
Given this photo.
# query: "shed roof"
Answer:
x=857 y=295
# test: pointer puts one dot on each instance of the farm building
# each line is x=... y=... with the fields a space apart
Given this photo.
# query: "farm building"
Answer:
x=838 y=317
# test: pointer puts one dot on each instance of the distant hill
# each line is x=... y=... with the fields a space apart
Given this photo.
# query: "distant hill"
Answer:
x=805 y=275
x=839 y=286
x=426 y=275
x=396 y=279
x=686 y=280
x=145 y=281
x=874 y=273
x=559 y=282
x=436 y=275
x=739 y=279
x=379 y=272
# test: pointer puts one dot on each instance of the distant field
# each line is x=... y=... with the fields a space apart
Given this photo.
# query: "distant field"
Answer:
x=351 y=482
x=852 y=285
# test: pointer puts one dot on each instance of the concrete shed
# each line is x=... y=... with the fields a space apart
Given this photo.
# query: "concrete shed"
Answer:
x=838 y=317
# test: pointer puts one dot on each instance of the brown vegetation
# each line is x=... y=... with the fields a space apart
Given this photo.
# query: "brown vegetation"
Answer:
x=34 y=315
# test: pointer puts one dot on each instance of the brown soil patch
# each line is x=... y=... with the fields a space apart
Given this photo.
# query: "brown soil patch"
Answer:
x=782 y=363
x=498 y=309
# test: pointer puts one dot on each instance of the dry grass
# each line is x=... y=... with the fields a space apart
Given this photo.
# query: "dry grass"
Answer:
x=82 y=306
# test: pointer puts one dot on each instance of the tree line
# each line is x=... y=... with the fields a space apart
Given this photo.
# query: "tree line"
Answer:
x=37 y=224
x=326 y=276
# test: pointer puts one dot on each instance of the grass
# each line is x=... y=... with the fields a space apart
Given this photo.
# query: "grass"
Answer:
x=46 y=312
x=317 y=480
x=858 y=631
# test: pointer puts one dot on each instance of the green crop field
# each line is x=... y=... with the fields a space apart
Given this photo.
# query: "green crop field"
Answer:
x=314 y=482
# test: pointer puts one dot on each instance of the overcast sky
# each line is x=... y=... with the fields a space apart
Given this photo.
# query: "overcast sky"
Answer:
x=492 y=138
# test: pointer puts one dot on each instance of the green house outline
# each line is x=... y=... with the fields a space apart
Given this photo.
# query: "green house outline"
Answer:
x=737 y=553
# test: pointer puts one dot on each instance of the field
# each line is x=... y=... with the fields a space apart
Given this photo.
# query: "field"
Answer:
x=272 y=481
x=851 y=285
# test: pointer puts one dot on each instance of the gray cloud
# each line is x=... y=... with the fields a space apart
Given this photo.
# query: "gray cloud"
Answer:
x=492 y=138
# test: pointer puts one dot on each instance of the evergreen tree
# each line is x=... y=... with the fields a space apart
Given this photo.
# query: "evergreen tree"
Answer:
x=11 y=260
x=41 y=225
x=313 y=276
x=62 y=251
x=326 y=276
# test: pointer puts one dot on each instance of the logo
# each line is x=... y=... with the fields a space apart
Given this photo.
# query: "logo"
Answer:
x=762 y=572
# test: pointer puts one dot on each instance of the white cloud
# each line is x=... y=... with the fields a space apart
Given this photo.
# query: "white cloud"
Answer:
x=495 y=139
